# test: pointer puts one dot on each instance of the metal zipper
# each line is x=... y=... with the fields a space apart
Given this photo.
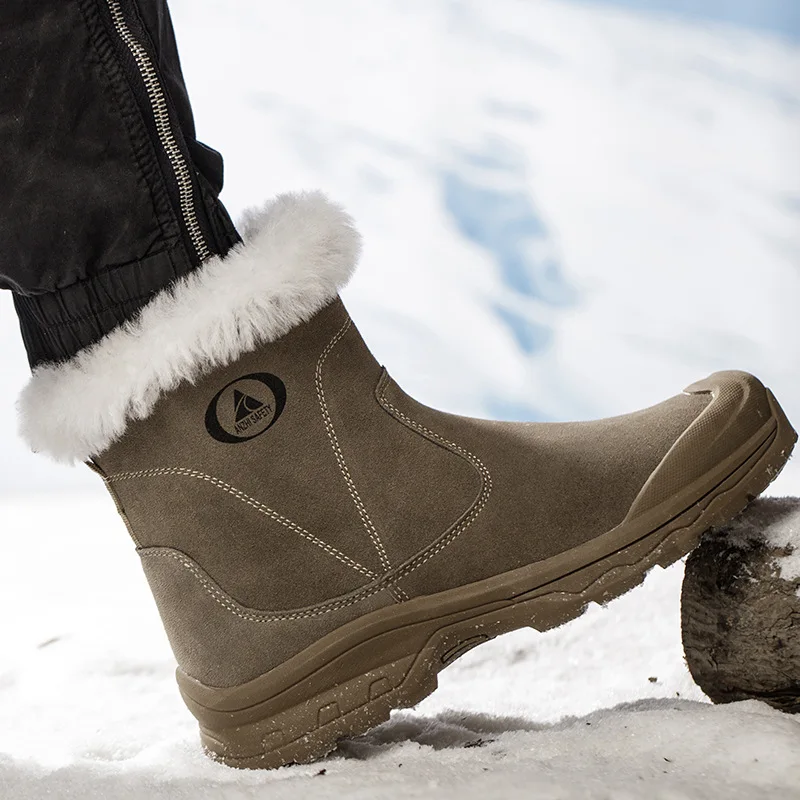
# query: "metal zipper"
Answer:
x=158 y=105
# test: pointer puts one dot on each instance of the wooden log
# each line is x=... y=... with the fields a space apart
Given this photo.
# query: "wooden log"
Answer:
x=740 y=607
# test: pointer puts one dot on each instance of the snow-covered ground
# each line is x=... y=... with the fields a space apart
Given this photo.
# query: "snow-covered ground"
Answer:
x=601 y=708
x=569 y=211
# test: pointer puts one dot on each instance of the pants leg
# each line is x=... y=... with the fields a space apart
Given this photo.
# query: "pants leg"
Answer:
x=107 y=196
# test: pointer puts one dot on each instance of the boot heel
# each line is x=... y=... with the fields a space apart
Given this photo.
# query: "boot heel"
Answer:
x=270 y=734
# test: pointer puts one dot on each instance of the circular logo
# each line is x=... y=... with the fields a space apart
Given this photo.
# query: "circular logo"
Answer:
x=245 y=408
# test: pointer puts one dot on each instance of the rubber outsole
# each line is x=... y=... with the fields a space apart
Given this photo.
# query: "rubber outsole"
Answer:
x=392 y=660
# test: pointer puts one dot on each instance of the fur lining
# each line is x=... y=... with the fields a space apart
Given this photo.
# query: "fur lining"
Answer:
x=298 y=252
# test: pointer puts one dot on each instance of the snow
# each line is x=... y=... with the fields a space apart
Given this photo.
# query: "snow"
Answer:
x=569 y=211
x=777 y=522
x=783 y=530
x=89 y=707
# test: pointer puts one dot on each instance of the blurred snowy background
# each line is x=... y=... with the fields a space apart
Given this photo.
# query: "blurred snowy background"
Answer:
x=572 y=208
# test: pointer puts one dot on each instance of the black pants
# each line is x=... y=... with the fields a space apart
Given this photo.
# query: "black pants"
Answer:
x=106 y=195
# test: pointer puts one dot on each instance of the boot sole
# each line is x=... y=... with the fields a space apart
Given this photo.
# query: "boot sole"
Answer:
x=350 y=680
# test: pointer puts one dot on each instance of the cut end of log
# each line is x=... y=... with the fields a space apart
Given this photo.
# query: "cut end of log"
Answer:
x=740 y=607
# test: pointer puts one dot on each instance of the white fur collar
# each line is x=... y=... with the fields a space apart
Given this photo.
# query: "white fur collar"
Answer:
x=298 y=252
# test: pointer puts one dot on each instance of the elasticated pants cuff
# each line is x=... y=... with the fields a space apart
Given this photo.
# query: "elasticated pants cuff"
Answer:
x=57 y=325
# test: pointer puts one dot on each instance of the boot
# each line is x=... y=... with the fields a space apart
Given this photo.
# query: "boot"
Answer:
x=319 y=544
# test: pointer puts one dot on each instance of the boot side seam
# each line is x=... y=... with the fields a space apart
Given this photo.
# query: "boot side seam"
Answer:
x=95 y=467
x=341 y=462
x=250 y=501
x=387 y=582
x=231 y=605
x=474 y=510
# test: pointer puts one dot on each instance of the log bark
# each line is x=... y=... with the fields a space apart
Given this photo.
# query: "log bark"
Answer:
x=740 y=608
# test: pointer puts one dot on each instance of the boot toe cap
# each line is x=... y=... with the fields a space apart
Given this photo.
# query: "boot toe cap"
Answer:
x=740 y=416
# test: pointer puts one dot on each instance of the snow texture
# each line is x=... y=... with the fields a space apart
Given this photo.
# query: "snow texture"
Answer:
x=603 y=707
x=777 y=522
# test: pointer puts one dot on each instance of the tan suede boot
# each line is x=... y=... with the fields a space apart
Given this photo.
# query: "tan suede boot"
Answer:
x=319 y=544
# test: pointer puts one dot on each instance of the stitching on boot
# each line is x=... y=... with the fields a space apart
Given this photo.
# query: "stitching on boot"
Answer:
x=476 y=508
x=388 y=583
x=250 y=501
x=340 y=460
x=235 y=608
